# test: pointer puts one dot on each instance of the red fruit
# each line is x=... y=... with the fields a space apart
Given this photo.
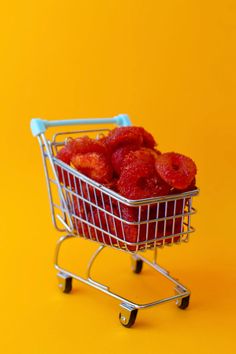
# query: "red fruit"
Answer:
x=112 y=184
x=191 y=187
x=64 y=155
x=148 y=140
x=123 y=136
x=102 y=140
x=80 y=212
x=143 y=173
x=65 y=177
x=139 y=180
x=118 y=156
x=110 y=224
x=97 y=218
x=88 y=192
x=172 y=224
x=129 y=136
x=143 y=154
x=115 y=228
x=175 y=169
x=92 y=215
x=127 y=230
x=84 y=145
x=170 y=230
x=94 y=165
x=122 y=230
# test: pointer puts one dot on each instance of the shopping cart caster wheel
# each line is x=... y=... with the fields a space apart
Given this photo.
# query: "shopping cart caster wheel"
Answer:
x=137 y=265
x=184 y=302
x=127 y=315
x=65 y=282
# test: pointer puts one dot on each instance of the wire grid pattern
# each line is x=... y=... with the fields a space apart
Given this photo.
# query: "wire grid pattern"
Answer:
x=101 y=216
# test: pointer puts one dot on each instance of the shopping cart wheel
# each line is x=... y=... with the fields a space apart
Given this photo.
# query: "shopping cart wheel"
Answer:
x=65 y=282
x=184 y=302
x=137 y=265
x=127 y=315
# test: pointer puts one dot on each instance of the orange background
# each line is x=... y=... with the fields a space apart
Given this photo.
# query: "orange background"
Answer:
x=171 y=66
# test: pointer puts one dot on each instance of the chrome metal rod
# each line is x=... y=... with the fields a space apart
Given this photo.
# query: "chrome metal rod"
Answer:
x=164 y=272
x=182 y=291
x=91 y=262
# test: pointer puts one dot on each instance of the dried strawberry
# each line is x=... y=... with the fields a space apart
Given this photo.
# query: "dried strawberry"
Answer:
x=83 y=145
x=118 y=156
x=129 y=136
x=175 y=169
x=139 y=180
x=94 y=165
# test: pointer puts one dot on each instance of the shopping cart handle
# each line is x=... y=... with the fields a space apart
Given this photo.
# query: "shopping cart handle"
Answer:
x=39 y=126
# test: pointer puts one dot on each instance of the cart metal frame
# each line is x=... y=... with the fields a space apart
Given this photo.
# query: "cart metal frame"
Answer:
x=86 y=192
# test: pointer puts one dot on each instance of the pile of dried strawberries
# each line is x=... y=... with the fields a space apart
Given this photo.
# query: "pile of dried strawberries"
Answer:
x=127 y=161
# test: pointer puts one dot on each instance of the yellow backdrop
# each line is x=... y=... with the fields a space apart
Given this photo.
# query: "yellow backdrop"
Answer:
x=171 y=66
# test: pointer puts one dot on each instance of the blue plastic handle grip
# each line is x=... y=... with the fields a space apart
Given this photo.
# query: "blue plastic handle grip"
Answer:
x=39 y=126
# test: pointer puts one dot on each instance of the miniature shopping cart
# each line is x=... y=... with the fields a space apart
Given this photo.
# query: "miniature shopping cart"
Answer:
x=84 y=208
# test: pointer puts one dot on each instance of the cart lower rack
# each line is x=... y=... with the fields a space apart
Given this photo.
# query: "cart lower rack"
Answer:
x=82 y=207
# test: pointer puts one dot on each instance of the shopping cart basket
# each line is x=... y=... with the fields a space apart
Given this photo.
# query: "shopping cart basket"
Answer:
x=82 y=207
